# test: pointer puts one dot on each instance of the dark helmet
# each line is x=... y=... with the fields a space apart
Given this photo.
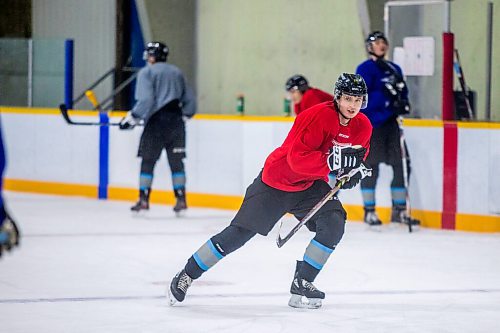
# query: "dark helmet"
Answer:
x=297 y=82
x=374 y=36
x=351 y=84
x=156 y=49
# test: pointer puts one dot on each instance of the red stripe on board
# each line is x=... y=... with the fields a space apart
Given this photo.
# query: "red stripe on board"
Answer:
x=450 y=152
x=447 y=85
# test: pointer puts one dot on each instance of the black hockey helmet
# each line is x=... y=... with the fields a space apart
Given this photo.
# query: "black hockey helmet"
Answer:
x=351 y=84
x=298 y=82
x=156 y=49
x=372 y=37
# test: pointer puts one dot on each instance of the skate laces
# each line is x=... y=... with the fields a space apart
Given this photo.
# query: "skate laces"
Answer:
x=371 y=216
x=308 y=285
x=184 y=282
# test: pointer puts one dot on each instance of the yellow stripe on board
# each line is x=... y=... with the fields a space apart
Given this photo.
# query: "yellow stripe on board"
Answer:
x=422 y=122
x=42 y=187
x=232 y=202
x=429 y=219
x=30 y=111
x=478 y=125
x=244 y=118
x=478 y=223
x=234 y=117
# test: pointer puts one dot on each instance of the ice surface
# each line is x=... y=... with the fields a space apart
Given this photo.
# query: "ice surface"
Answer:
x=90 y=266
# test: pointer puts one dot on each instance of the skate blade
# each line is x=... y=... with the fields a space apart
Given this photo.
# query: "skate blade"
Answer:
x=375 y=228
x=140 y=213
x=404 y=225
x=171 y=299
x=414 y=227
x=300 y=302
x=181 y=213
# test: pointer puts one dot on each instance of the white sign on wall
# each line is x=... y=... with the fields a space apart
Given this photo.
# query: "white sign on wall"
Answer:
x=418 y=56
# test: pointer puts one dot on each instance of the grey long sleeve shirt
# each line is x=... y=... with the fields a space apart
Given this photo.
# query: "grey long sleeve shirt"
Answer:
x=157 y=85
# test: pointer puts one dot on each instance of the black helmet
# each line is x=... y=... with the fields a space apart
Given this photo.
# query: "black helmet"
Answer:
x=156 y=49
x=351 y=84
x=374 y=36
x=297 y=82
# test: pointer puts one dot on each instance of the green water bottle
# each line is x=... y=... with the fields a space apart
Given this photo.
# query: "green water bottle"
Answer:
x=286 y=107
x=240 y=104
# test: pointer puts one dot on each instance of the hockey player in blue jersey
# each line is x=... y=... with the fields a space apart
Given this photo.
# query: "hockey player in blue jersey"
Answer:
x=388 y=96
x=9 y=233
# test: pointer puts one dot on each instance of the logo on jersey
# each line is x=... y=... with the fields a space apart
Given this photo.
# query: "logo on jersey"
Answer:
x=344 y=136
x=341 y=144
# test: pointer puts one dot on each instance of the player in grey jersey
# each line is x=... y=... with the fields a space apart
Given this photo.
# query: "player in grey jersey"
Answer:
x=163 y=102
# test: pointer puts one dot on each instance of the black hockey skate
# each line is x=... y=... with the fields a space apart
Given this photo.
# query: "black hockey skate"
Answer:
x=143 y=203
x=176 y=292
x=180 y=204
x=304 y=293
x=9 y=235
x=400 y=215
x=372 y=219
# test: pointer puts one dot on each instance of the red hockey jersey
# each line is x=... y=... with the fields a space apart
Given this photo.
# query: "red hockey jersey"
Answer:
x=311 y=97
x=302 y=158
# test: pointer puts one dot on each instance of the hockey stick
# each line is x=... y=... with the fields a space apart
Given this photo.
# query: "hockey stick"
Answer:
x=338 y=185
x=461 y=79
x=64 y=112
x=404 y=160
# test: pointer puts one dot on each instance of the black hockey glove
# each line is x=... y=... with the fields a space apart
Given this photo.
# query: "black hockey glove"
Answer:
x=353 y=181
x=128 y=122
x=346 y=157
x=401 y=106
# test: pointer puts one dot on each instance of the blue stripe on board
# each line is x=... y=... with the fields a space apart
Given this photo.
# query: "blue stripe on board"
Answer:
x=103 y=157
x=68 y=72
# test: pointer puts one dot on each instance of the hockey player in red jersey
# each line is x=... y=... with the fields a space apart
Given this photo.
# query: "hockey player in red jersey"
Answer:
x=294 y=179
x=304 y=96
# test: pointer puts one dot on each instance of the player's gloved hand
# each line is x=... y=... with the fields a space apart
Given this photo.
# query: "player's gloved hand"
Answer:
x=354 y=179
x=128 y=122
x=352 y=182
x=345 y=157
x=9 y=233
x=401 y=106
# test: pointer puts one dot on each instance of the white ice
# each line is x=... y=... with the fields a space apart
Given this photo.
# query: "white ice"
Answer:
x=90 y=266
